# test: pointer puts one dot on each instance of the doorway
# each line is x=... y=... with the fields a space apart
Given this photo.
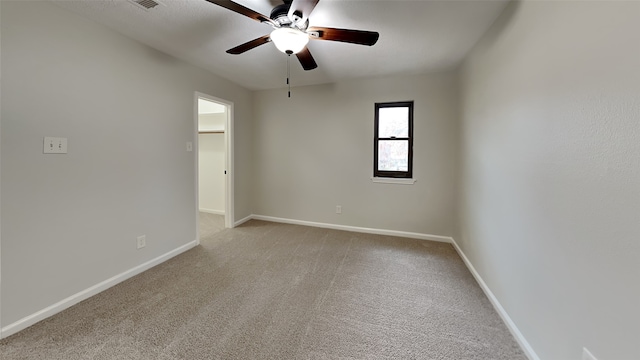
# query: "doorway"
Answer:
x=214 y=164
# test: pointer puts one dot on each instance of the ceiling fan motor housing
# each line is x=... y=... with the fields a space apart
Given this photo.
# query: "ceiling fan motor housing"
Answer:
x=280 y=14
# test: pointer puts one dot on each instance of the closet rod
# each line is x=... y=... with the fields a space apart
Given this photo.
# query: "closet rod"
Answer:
x=211 y=132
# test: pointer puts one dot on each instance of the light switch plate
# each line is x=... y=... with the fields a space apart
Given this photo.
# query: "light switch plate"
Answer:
x=54 y=145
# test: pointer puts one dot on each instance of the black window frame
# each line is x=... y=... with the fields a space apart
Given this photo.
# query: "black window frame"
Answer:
x=385 y=173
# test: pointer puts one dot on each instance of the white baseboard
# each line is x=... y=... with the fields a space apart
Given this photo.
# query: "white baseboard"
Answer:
x=242 y=221
x=89 y=292
x=524 y=344
x=211 y=211
x=406 y=234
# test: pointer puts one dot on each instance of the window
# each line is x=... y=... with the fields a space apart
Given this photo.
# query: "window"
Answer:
x=393 y=140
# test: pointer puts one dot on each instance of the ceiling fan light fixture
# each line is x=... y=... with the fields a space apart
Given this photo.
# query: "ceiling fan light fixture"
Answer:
x=288 y=40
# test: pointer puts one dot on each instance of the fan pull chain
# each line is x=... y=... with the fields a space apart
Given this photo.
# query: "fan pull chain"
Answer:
x=288 y=75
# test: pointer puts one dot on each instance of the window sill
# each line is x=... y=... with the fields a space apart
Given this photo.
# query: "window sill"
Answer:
x=400 y=181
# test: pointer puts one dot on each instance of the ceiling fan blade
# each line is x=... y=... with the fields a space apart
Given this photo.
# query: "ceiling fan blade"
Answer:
x=360 y=37
x=301 y=9
x=249 y=45
x=228 y=4
x=306 y=60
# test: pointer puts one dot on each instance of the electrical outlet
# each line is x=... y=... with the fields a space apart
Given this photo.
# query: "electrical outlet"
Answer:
x=189 y=146
x=142 y=241
x=587 y=355
x=338 y=209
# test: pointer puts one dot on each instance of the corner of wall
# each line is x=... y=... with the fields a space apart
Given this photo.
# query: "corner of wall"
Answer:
x=515 y=332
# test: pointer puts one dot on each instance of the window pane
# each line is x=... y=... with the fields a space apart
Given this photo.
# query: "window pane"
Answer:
x=393 y=155
x=393 y=121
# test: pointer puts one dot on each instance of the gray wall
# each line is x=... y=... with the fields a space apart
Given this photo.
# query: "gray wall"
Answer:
x=550 y=190
x=315 y=151
x=70 y=221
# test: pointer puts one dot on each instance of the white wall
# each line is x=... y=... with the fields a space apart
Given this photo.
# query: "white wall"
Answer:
x=211 y=163
x=212 y=122
x=315 y=151
x=70 y=221
x=211 y=166
x=550 y=190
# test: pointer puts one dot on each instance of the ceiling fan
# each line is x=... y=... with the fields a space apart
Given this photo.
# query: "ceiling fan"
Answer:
x=292 y=32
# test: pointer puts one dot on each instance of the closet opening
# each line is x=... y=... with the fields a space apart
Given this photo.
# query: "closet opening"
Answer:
x=214 y=165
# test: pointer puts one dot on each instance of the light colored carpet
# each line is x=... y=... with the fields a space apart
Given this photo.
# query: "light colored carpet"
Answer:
x=210 y=224
x=275 y=291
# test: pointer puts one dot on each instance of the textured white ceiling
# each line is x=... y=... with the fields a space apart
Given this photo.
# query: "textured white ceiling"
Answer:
x=415 y=36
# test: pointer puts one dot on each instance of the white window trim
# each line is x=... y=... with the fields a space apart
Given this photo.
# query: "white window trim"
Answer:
x=399 y=181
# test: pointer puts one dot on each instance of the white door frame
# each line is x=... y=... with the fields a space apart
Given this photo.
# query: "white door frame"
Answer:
x=228 y=137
